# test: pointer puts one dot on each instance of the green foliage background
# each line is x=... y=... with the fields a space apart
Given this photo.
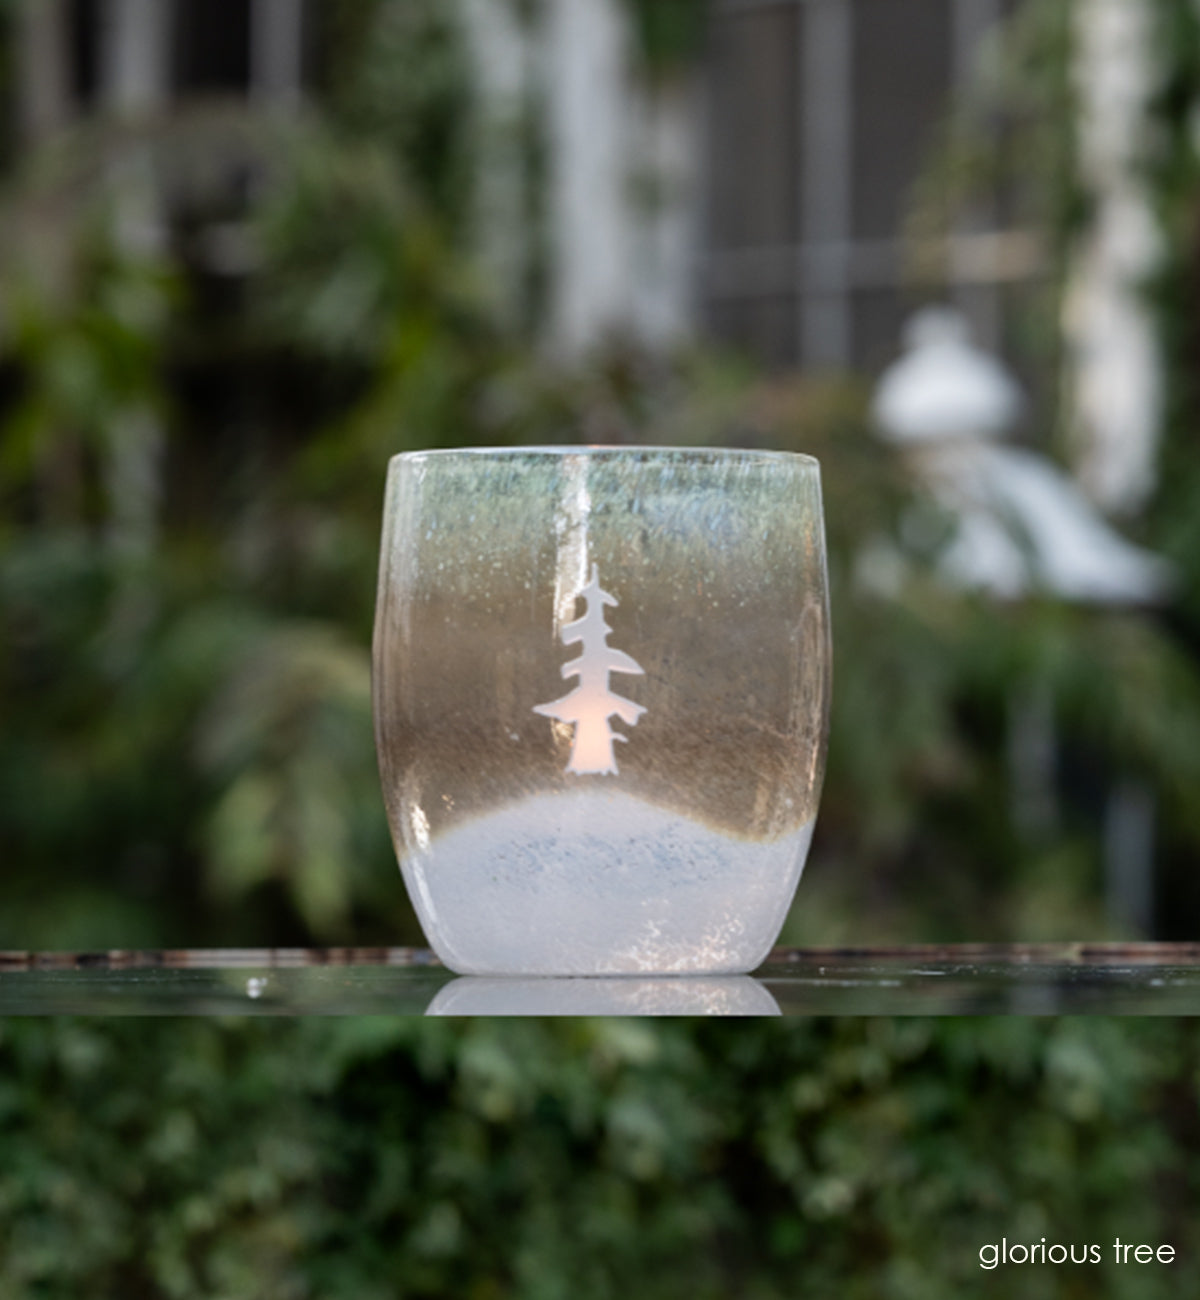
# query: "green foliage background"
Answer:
x=191 y=471
x=592 y=1159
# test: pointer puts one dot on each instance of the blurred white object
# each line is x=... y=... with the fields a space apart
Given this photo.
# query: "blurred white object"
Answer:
x=944 y=387
x=1114 y=368
x=1022 y=525
x=587 y=75
x=623 y=171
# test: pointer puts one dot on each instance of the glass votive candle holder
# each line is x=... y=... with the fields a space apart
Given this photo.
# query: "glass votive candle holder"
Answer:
x=601 y=689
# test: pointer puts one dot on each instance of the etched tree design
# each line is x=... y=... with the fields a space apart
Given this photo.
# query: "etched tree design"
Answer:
x=591 y=704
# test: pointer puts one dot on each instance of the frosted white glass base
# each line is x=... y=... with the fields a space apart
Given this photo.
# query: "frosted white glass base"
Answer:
x=600 y=883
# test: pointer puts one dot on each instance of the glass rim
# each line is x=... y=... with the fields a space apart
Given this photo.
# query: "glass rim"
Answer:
x=552 y=450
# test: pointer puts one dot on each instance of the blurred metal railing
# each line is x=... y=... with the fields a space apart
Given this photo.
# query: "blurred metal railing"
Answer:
x=822 y=115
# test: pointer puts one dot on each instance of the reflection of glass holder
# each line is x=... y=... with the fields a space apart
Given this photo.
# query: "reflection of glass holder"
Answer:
x=727 y=995
x=688 y=588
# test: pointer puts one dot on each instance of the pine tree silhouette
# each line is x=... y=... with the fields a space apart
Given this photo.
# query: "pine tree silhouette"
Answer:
x=590 y=705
